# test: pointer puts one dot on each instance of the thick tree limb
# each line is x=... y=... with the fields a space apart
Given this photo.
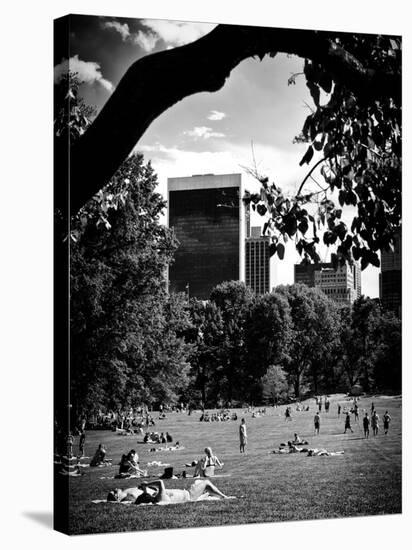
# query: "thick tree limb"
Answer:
x=156 y=82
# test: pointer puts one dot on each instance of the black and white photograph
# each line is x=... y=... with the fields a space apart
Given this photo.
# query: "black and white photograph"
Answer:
x=230 y=230
x=205 y=224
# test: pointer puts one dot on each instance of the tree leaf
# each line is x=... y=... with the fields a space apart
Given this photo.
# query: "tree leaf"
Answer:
x=280 y=249
x=307 y=157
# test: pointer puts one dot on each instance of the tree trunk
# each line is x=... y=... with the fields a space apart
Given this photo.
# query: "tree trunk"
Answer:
x=297 y=386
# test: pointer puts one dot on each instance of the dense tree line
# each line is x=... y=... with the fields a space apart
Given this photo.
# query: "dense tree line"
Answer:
x=291 y=342
x=127 y=344
x=132 y=342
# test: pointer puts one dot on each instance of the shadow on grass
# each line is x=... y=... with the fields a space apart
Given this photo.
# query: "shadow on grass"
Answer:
x=42 y=518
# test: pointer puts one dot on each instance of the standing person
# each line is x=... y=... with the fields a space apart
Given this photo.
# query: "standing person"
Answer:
x=366 y=423
x=386 y=420
x=356 y=412
x=339 y=409
x=320 y=404
x=372 y=407
x=316 y=422
x=82 y=441
x=287 y=414
x=242 y=435
x=375 y=423
x=347 y=423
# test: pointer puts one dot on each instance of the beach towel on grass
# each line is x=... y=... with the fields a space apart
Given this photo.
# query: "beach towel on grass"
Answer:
x=203 y=498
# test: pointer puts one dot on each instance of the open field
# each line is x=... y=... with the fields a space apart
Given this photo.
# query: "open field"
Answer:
x=366 y=480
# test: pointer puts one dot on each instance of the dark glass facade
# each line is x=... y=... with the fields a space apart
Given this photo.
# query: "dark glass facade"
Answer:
x=257 y=265
x=206 y=224
x=390 y=278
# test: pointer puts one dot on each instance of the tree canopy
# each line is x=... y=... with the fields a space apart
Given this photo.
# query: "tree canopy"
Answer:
x=356 y=133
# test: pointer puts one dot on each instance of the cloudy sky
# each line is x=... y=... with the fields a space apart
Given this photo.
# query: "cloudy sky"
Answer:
x=252 y=120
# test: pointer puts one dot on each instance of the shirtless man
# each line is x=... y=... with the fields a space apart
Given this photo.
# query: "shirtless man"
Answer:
x=198 y=491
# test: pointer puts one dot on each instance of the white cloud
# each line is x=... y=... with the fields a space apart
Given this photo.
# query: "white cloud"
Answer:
x=177 y=33
x=147 y=41
x=87 y=71
x=173 y=33
x=203 y=132
x=122 y=29
x=216 y=115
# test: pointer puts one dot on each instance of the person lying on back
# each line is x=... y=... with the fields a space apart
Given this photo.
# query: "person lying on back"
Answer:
x=198 y=491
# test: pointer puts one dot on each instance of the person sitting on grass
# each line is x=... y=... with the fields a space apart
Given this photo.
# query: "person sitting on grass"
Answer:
x=129 y=465
x=99 y=457
x=299 y=441
x=200 y=490
x=206 y=466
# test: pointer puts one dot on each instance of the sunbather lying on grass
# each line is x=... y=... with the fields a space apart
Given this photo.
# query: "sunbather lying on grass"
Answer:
x=200 y=490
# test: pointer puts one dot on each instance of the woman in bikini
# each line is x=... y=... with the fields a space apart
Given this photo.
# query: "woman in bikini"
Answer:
x=200 y=490
x=206 y=466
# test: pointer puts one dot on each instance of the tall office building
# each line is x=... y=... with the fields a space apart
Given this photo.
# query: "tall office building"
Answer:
x=342 y=285
x=390 y=278
x=208 y=216
x=257 y=262
x=305 y=273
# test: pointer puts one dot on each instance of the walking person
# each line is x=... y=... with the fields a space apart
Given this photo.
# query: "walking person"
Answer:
x=242 y=435
x=316 y=421
x=366 y=423
x=82 y=441
x=386 y=420
x=356 y=412
x=375 y=423
x=287 y=414
x=347 y=423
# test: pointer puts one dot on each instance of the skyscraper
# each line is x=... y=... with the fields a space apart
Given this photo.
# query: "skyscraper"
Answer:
x=208 y=217
x=342 y=285
x=257 y=263
x=390 y=278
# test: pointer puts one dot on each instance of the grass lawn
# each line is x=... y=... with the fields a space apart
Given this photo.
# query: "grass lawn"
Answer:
x=366 y=480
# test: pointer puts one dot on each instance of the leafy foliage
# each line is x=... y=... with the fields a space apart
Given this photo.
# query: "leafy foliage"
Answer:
x=275 y=387
x=314 y=329
x=356 y=139
x=127 y=332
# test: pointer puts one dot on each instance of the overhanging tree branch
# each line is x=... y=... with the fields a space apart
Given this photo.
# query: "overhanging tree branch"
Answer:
x=158 y=81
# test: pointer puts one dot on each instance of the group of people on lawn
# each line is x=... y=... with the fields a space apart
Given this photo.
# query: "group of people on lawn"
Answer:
x=155 y=492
